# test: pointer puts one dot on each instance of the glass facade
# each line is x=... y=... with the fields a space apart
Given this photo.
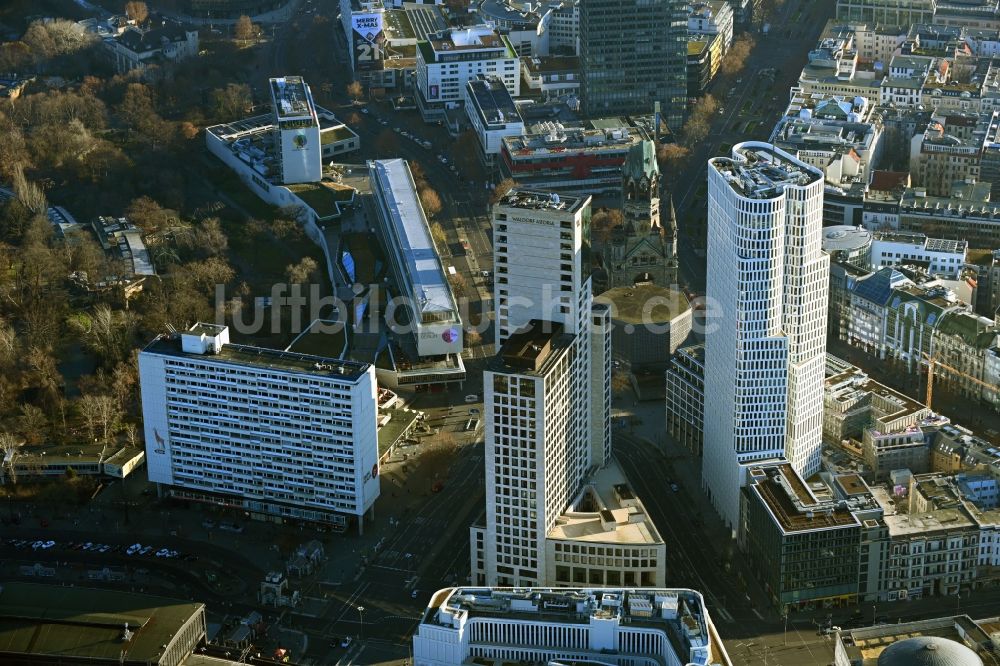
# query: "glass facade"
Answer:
x=634 y=53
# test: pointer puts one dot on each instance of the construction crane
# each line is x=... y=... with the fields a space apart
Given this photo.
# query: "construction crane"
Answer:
x=932 y=363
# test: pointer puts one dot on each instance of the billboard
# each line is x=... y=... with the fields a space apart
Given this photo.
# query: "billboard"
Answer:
x=368 y=39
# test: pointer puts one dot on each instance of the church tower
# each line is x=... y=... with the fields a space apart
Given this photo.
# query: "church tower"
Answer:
x=644 y=247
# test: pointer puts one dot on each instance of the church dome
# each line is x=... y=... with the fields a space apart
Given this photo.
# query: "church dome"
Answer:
x=928 y=651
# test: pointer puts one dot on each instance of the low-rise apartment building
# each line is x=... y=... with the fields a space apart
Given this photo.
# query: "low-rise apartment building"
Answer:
x=950 y=150
x=162 y=41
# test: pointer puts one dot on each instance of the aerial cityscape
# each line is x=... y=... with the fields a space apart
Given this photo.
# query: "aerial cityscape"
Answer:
x=499 y=333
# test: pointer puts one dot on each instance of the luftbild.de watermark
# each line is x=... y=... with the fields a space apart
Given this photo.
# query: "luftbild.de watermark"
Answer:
x=295 y=308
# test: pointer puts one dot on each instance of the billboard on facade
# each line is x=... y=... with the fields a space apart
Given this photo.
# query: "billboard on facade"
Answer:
x=368 y=37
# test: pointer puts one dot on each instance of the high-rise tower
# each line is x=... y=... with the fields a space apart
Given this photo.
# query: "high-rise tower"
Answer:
x=632 y=54
x=296 y=131
x=766 y=345
x=546 y=399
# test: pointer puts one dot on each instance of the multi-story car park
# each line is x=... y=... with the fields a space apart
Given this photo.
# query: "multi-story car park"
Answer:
x=280 y=435
x=617 y=626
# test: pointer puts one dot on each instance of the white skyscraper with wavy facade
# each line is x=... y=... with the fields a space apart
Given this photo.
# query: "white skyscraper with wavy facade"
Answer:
x=766 y=345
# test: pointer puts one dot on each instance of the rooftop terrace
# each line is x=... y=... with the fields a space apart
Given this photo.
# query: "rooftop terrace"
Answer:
x=291 y=98
x=606 y=511
x=793 y=507
x=759 y=171
x=547 y=201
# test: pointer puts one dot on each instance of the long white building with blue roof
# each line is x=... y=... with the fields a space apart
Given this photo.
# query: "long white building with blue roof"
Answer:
x=427 y=299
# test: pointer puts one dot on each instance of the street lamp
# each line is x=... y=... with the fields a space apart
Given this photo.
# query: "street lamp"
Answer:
x=361 y=610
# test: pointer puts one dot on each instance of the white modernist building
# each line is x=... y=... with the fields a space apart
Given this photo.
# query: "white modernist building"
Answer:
x=447 y=62
x=297 y=128
x=942 y=256
x=610 y=626
x=768 y=277
x=492 y=114
x=416 y=266
x=542 y=440
x=279 y=155
x=277 y=434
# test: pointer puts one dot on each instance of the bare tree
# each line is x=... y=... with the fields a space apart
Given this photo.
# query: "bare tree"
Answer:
x=672 y=156
x=32 y=422
x=132 y=434
x=107 y=333
x=244 y=30
x=101 y=416
x=210 y=239
x=27 y=193
x=355 y=91
x=430 y=200
x=439 y=236
x=694 y=131
x=8 y=345
x=233 y=101
x=302 y=272
x=10 y=445
x=472 y=337
x=603 y=221
x=149 y=215
x=137 y=11
x=739 y=53
x=502 y=188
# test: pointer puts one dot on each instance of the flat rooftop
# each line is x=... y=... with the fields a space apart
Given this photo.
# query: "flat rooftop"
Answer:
x=606 y=511
x=51 y=622
x=919 y=239
x=259 y=357
x=538 y=200
x=529 y=348
x=905 y=524
x=680 y=613
x=645 y=303
x=864 y=646
x=493 y=102
x=291 y=98
x=792 y=506
x=396 y=192
x=758 y=171
x=552 y=138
